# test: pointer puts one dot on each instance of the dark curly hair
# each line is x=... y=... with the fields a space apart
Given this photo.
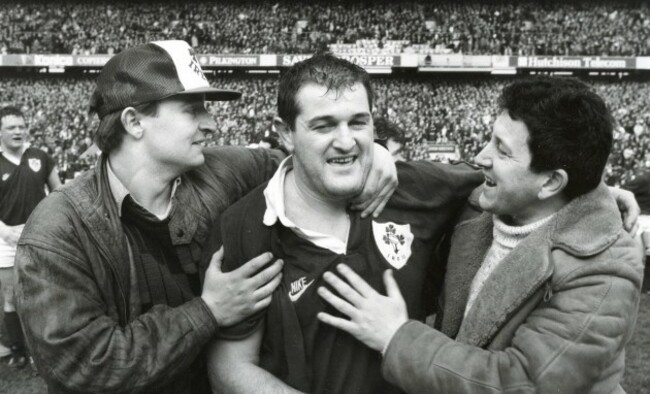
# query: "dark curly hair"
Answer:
x=570 y=127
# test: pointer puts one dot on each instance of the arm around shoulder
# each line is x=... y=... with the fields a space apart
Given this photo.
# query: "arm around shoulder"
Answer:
x=247 y=167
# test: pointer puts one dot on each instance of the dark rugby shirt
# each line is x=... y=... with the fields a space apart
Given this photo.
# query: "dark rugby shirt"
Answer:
x=299 y=349
x=22 y=186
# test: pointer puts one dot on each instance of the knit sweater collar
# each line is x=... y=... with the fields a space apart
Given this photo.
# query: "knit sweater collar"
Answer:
x=509 y=236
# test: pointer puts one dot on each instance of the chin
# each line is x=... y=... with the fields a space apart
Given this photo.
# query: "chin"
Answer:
x=485 y=204
x=341 y=193
x=196 y=161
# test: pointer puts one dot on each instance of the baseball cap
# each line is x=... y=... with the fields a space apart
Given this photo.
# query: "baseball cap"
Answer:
x=150 y=72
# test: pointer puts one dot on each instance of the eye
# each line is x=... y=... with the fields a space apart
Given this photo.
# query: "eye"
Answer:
x=501 y=149
x=358 y=124
x=322 y=127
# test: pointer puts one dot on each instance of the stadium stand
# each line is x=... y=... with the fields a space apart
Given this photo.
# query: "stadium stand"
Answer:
x=551 y=27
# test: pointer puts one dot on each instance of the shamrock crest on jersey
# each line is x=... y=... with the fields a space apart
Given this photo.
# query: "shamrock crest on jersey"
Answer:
x=393 y=241
x=34 y=164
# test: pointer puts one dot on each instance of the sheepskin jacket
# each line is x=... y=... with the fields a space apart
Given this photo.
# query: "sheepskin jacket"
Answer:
x=553 y=317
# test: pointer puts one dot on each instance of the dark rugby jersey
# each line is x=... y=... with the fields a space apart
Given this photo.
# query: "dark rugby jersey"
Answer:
x=22 y=186
x=299 y=349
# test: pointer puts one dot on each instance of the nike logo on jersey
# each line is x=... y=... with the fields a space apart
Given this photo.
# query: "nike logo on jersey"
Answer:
x=298 y=287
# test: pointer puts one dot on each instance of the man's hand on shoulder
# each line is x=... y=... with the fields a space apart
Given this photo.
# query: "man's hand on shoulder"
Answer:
x=628 y=207
x=380 y=184
x=236 y=295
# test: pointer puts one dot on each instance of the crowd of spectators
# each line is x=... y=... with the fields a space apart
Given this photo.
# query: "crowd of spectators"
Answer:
x=56 y=111
x=431 y=111
x=550 y=27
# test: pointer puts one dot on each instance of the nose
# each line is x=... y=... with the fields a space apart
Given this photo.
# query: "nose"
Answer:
x=344 y=139
x=207 y=125
x=483 y=158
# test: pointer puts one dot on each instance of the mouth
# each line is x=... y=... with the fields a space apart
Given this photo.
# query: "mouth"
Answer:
x=199 y=142
x=342 y=160
x=489 y=182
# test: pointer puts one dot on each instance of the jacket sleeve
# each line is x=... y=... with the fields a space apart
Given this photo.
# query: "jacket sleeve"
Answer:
x=566 y=345
x=71 y=327
x=241 y=169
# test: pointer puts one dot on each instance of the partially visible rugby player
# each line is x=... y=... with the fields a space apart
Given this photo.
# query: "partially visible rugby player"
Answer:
x=24 y=173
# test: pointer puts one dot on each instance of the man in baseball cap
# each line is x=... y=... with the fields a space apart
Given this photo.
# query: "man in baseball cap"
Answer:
x=112 y=291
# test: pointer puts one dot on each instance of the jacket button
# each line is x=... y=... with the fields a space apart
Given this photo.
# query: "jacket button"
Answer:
x=180 y=232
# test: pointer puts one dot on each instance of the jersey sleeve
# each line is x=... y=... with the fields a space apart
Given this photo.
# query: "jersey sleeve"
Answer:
x=49 y=164
x=244 y=237
x=426 y=185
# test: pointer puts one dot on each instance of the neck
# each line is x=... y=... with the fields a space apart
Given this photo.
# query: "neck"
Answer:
x=537 y=213
x=150 y=185
x=312 y=212
x=13 y=153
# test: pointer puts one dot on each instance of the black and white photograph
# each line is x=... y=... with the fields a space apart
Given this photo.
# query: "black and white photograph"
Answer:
x=324 y=197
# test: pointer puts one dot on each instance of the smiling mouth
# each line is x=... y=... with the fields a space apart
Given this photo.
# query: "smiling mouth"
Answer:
x=342 y=161
x=489 y=182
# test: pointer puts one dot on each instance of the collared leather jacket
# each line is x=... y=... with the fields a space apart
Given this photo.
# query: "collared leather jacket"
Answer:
x=77 y=285
x=553 y=317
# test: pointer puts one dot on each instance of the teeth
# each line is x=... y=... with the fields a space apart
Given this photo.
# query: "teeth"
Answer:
x=342 y=160
x=489 y=182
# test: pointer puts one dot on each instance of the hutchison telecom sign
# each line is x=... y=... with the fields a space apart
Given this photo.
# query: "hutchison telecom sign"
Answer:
x=575 y=62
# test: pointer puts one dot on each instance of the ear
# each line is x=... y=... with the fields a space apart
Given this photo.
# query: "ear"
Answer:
x=131 y=123
x=554 y=184
x=285 y=133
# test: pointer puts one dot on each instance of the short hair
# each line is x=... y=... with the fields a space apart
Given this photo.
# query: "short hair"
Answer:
x=110 y=132
x=10 y=110
x=323 y=69
x=385 y=130
x=570 y=128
